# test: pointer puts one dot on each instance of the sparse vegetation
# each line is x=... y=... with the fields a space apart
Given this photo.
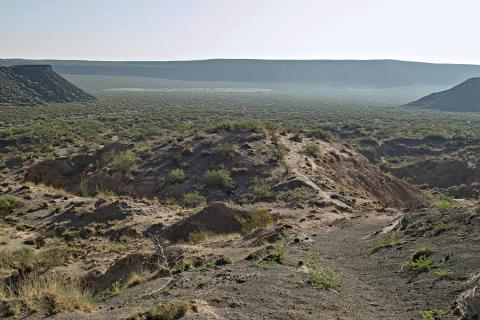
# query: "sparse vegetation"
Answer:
x=218 y=178
x=26 y=260
x=320 y=133
x=322 y=273
x=420 y=261
x=432 y=314
x=50 y=294
x=123 y=160
x=297 y=195
x=226 y=151
x=9 y=202
x=444 y=274
x=442 y=227
x=193 y=199
x=444 y=204
x=312 y=149
x=260 y=189
x=257 y=218
x=165 y=311
x=277 y=151
x=386 y=242
x=176 y=176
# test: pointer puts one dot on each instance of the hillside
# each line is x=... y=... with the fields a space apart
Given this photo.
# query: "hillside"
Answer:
x=352 y=73
x=34 y=84
x=465 y=98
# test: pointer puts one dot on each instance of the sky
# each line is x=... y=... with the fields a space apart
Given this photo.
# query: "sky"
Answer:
x=418 y=30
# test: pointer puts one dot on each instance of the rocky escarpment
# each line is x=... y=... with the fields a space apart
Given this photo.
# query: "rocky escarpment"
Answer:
x=35 y=84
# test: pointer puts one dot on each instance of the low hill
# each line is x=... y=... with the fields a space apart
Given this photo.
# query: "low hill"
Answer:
x=464 y=98
x=34 y=84
x=350 y=73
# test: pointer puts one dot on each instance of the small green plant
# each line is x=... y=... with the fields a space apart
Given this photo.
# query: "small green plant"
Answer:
x=116 y=288
x=176 y=176
x=193 y=199
x=444 y=274
x=260 y=189
x=218 y=178
x=322 y=273
x=420 y=261
x=432 y=314
x=386 y=242
x=257 y=218
x=312 y=149
x=10 y=202
x=444 y=204
x=442 y=227
x=123 y=160
x=271 y=254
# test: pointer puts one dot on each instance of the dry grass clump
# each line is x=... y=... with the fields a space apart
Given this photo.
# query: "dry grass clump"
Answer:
x=10 y=202
x=49 y=294
x=165 y=311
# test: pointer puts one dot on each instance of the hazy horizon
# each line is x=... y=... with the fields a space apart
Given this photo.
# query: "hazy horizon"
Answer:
x=182 y=30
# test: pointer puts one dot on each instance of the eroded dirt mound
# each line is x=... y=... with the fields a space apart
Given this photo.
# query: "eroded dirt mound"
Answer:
x=218 y=218
x=442 y=174
x=227 y=166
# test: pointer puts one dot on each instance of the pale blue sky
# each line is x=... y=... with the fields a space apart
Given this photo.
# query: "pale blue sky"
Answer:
x=422 y=30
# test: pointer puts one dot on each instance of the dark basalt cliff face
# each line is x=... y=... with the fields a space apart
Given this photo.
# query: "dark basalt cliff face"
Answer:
x=36 y=84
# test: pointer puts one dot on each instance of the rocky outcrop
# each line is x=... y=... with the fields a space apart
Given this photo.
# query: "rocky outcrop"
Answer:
x=468 y=304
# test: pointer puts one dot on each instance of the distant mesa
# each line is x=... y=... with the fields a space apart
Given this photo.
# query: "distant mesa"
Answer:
x=464 y=97
x=36 y=84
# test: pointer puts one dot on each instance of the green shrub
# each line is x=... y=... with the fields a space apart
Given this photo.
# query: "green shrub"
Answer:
x=257 y=218
x=27 y=260
x=260 y=189
x=322 y=274
x=319 y=133
x=444 y=204
x=227 y=151
x=193 y=199
x=312 y=149
x=123 y=160
x=218 y=178
x=176 y=176
x=10 y=202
